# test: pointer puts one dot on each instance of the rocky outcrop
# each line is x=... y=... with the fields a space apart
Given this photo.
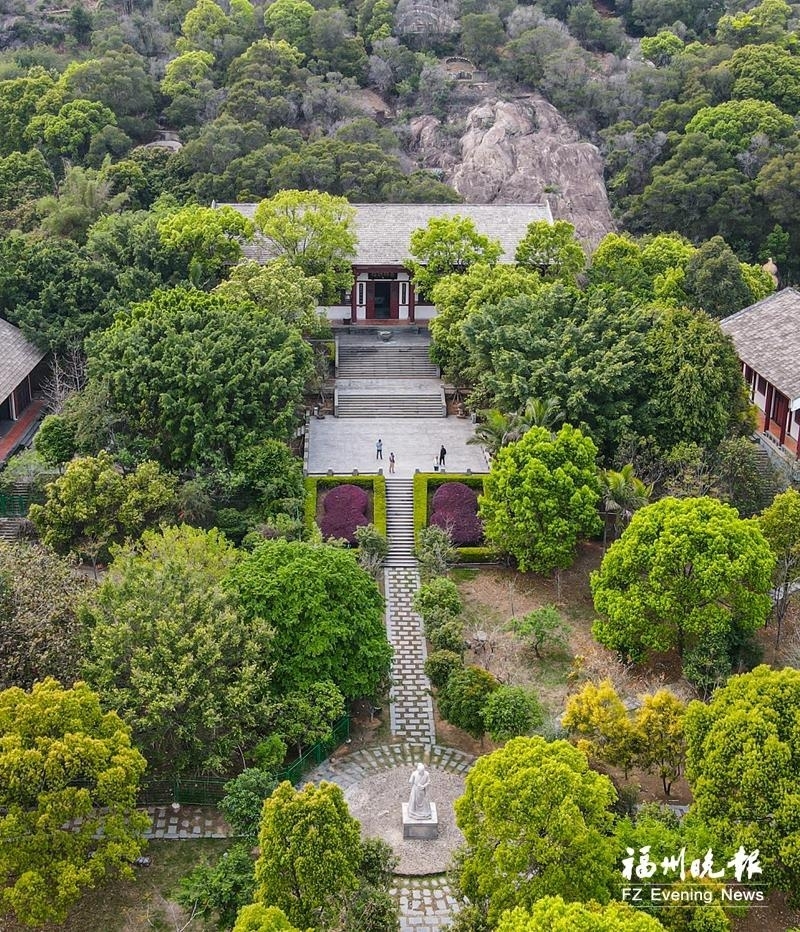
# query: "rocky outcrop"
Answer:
x=521 y=151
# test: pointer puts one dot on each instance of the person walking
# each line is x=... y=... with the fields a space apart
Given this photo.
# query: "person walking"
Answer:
x=442 y=455
x=379 y=449
x=391 y=463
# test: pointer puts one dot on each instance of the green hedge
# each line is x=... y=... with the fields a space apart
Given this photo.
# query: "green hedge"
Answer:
x=427 y=482
x=374 y=484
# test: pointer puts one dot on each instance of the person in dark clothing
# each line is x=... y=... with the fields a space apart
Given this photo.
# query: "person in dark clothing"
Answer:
x=379 y=449
x=442 y=455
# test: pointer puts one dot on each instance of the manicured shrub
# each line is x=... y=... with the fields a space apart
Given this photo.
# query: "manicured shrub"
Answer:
x=464 y=697
x=346 y=497
x=436 y=598
x=439 y=665
x=465 y=528
x=342 y=524
x=455 y=496
x=511 y=711
x=447 y=636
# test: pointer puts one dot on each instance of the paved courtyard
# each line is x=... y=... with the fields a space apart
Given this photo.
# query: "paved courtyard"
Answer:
x=348 y=443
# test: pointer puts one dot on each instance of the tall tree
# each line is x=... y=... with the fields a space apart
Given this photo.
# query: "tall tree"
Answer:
x=537 y=822
x=780 y=525
x=195 y=375
x=743 y=764
x=623 y=494
x=40 y=634
x=683 y=570
x=551 y=250
x=448 y=245
x=310 y=854
x=211 y=239
x=552 y=914
x=326 y=611
x=94 y=505
x=67 y=798
x=184 y=668
x=313 y=231
x=541 y=496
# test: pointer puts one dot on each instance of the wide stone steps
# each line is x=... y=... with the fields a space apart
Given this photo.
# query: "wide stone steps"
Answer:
x=352 y=404
x=388 y=362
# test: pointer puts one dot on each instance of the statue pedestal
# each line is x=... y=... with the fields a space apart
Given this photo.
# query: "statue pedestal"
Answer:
x=420 y=828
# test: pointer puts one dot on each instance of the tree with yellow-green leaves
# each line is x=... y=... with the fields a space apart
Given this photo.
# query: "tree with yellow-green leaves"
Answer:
x=67 y=797
x=552 y=914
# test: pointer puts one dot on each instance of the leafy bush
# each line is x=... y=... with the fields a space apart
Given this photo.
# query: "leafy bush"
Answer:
x=439 y=665
x=270 y=753
x=464 y=697
x=512 y=711
x=434 y=552
x=437 y=598
x=222 y=889
x=373 y=548
x=447 y=636
x=346 y=497
x=455 y=496
x=343 y=524
x=464 y=528
x=541 y=628
x=244 y=799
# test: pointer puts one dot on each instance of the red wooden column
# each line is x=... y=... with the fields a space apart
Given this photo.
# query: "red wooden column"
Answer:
x=783 y=414
x=353 y=293
x=411 y=300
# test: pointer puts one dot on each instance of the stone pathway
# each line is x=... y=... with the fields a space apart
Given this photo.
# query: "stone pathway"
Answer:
x=186 y=822
x=411 y=706
x=427 y=904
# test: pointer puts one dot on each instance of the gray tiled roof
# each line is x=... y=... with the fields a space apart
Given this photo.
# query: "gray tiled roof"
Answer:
x=18 y=358
x=384 y=230
x=767 y=338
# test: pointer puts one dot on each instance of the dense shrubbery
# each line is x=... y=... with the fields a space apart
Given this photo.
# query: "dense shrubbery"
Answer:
x=455 y=509
x=345 y=511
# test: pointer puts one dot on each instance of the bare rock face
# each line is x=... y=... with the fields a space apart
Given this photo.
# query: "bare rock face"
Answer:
x=521 y=151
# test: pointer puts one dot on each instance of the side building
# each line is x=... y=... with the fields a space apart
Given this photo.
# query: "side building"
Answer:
x=22 y=368
x=383 y=290
x=767 y=340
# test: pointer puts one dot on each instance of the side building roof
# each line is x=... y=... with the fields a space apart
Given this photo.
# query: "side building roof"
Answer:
x=767 y=338
x=384 y=230
x=18 y=358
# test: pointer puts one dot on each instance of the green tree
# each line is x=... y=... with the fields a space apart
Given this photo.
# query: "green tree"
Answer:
x=189 y=672
x=537 y=822
x=93 y=505
x=541 y=496
x=64 y=759
x=736 y=122
x=714 y=280
x=743 y=764
x=290 y=21
x=780 y=525
x=661 y=48
x=258 y=918
x=221 y=890
x=69 y=131
x=305 y=717
x=55 y=440
x=552 y=914
x=481 y=36
x=310 y=854
x=82 y=198
x=24 y=177
x=313 y=231
x=463 y=698
x=40 y=634
x=623 y=494
x=540 y=629
x=660 y=722
x=19 y=99
x=326 y=612
x=211 y=239
x=438 y=599
x=196 y=375
x=243 y=801
x=551 y=250
x=511 y=711
x=279 y=290
x=448 y=245
x=684 y=569
x=598 y=718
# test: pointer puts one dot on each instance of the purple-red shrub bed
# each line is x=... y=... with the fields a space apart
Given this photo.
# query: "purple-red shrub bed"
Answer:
x=347 y=497
x=455 y=496
x=464 y=527
x=342 y=523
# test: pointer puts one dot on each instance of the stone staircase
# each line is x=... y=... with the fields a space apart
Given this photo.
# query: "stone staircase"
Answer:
x=385 y=361
x=400 y=522
x=9 y=529
x=355 y=403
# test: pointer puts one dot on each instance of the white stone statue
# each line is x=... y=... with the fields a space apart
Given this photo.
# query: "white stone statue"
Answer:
x=419 y=806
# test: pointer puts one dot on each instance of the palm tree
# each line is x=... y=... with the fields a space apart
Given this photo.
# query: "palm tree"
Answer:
x=538 y=412
x=623 y=493
x=492 y=431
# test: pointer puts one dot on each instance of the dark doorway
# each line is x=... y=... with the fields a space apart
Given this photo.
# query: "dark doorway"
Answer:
x=383 y=310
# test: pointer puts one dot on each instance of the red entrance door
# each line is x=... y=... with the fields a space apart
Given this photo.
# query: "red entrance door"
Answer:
x=383 y=300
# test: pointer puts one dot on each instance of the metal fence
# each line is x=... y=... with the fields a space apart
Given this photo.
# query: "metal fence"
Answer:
x=14 y=504
x=208 y=791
